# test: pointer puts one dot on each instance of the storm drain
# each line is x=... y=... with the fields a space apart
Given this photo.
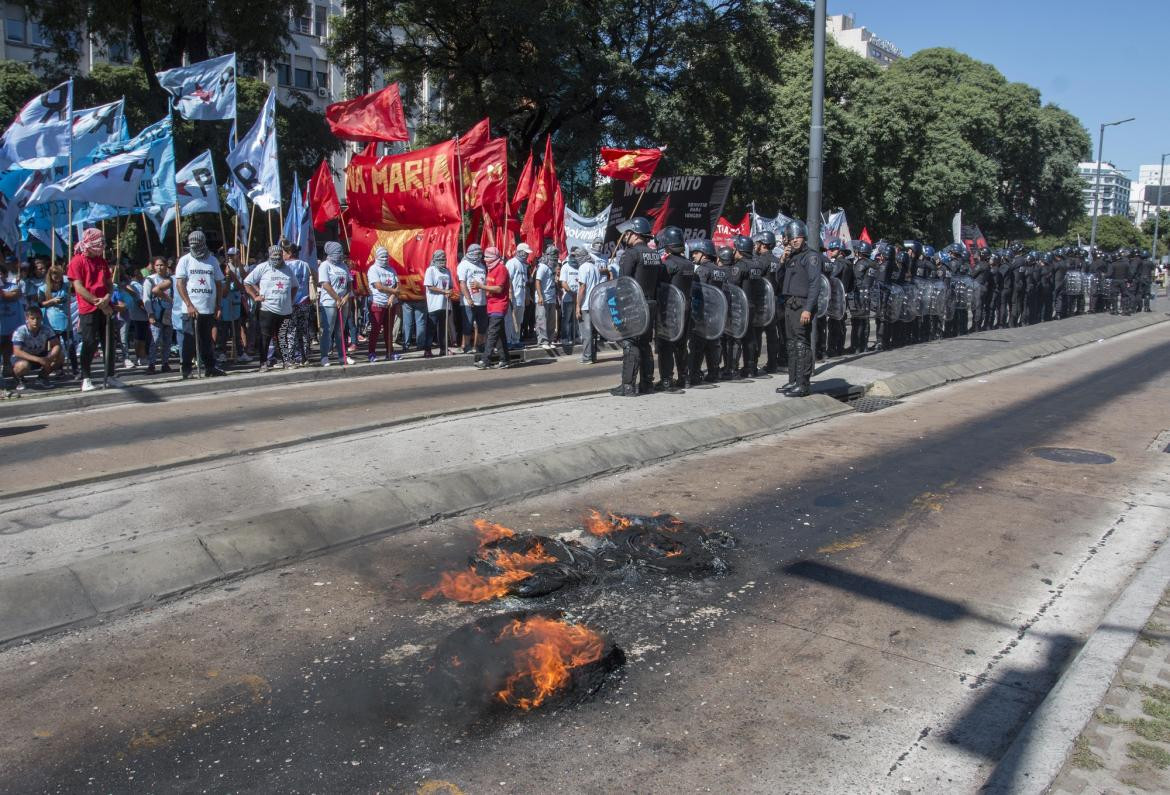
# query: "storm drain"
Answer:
x=868 y=404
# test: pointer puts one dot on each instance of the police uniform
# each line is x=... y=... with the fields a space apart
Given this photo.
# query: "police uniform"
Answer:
x=680 y=272
x=802 y=285
x=644 y=265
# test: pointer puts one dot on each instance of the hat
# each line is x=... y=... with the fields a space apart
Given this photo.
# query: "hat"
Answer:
x=491 y=254
x=523 y=247
x=233 y=251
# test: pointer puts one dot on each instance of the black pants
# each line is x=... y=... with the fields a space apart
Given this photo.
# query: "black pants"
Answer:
x=495 y=338
x=436 y=331
x=93 y=334
x=751 y=351
x=1144 y=287
x=672 y=356
x=774 y=342
x=269 y=324
x=800 y=342
x=858 y=334
x=732 y=350
x=703 y=349
x=202 y=328
x=836 y=342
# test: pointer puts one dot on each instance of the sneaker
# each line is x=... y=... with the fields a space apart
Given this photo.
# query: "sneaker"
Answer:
x=350 y=360
x=215 y=372
x=44 y=382
x=264 y=368
x=129 y=364
x=115 y=383
x=277 y=366
x=395 y=358
x=373 y=357
x=19 y=384
x=480 y=366
x=428 y=355
x=87 y=385
x=243 y=357
x=325 y=362
x=166 y=368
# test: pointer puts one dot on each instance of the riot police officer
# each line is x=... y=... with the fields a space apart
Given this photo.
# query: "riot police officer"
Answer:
x=644 y=265
x=835 y=338
x=706 y=272
x=680 y=272
x=802 y=285
x=754 y=270
x=773 y=332
x=864 y=270
x=1145 y=282
x=1119 y=271
x=737 y=275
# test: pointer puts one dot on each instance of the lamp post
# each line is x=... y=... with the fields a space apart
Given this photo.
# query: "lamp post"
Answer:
x=816 y=133
x=1097 y=189
x=1158 y=206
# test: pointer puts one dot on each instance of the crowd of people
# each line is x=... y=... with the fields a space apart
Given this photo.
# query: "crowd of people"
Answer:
x=803 y=303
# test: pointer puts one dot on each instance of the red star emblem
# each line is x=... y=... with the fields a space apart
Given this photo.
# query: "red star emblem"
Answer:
x=280 y=285
x=202 y=280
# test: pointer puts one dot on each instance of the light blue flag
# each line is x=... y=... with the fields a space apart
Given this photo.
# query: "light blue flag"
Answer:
x=196 y=189
x=292 y=220
x=252 y=161
x=93 y=127
x=116 y=180
x=15 y=188
x=157 y=190
x=204 y=91
x=42 y=132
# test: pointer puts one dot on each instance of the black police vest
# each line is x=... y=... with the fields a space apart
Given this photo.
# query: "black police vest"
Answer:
x=681 y=272
x=644 y=265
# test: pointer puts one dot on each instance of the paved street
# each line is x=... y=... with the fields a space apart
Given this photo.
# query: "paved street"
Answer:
x=906 y=587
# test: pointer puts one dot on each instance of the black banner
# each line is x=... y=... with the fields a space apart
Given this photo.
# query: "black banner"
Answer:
x=693 y=204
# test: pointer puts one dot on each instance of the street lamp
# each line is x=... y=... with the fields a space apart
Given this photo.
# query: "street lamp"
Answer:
x=816 y=132
x=1158 y=206
x=1097 y=190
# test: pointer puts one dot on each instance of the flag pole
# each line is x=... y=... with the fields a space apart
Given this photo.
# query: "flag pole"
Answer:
x=268 y=223
x=462 y=220
x=251 y=218
x=146 y=235
x=107 y=358
x=634 y=211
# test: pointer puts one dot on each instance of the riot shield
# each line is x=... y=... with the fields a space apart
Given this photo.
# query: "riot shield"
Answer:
x=618 y=309
x=836 y=309
x=739 y=311
x=1090 y=285
x=672 y=313
x=935 y=300
x=823 y=297
x=762 y=297
x=708 y=311
x=895 y=297
x=1073 y=283
x=909 y=302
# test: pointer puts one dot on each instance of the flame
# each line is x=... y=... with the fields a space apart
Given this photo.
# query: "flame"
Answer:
x=598 y=525
x=490 y=531
x=544 y=666
x=470 y=586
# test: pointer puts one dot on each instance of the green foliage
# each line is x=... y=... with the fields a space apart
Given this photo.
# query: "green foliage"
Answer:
x=18 y=84
x=1113 y=232
x=1163 y=231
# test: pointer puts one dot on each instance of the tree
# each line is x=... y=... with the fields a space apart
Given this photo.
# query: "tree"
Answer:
x=1163 y=231
x=18 y=85
x=162 y=32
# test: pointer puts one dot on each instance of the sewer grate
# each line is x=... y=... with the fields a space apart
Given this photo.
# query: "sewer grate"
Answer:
x=868 y=405
x=1071 y=455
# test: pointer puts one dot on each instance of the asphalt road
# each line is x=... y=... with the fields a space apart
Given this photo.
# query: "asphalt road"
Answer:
x=906 y=587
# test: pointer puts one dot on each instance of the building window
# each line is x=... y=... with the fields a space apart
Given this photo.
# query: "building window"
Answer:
x=322 y=74
x=304 y=24
x=320 y=21
x=283 y=74
x=14 y=29
x=303 y=72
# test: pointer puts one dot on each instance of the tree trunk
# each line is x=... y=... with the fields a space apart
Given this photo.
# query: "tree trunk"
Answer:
x=141 y=45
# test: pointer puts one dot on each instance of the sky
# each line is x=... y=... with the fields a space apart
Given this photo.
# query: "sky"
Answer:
x=1101 y=61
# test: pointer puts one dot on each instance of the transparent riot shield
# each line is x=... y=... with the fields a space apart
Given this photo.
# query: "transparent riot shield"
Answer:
x=708 y=311
x=836 y=308
x=618 y=309
x=739 y=311
x=762 y=298
x=672 y=313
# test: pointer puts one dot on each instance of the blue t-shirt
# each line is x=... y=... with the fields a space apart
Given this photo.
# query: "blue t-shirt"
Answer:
x=11 y=309
x=300 y=271
x=57 y=316
x=37 y=344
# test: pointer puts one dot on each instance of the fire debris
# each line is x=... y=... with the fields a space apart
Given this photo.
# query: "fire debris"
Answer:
x=508 y=563
x=523 y=660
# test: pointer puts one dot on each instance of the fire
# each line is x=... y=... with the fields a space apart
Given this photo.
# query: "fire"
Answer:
x=544 y=666
x=471 y=586
x=598 y=525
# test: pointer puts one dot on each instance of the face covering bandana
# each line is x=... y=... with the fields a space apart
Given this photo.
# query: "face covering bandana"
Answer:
x=274 y=257
x=333 y=252
x=197 y=242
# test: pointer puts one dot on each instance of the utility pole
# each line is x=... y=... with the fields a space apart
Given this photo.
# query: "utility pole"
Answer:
x=1158 y=206
x=816 y=133
x=1097 y=178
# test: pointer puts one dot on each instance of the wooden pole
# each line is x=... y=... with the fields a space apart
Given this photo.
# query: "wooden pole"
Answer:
x=462 y=220
x=146 y=234
x=251 y=218
x=268 y=218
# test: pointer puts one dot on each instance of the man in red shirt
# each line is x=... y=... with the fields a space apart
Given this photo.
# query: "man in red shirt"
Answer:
x=89 y=274
x=499 y=292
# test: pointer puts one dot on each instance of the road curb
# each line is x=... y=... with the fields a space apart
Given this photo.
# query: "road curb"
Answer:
x=911 y=383
x=1039 y=752
x=38 y=603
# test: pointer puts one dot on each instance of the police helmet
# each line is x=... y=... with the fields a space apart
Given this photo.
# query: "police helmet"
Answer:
x=726 y=255
x=1145 y=254
x=671 y=239
x=984 y=253
x=794 y=229
x=904 y=258
x=834 y=245
x=704 y=246
x=766 y=238
x=639 y=226
x=863 y=249
x=913 y=245
x=1048 y=258
x=743 y=244
x=883 y=250
x=928 y=252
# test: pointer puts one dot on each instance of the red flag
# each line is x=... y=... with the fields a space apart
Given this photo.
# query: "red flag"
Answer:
x=410 y=251
x=412 y=190
x=370 y=117
x=485 y=178
x=322 y=193
x=725 y=230
x=524 y=186
x=476 y=137
x=545 y=205
x=864 y=237
x=635 y=166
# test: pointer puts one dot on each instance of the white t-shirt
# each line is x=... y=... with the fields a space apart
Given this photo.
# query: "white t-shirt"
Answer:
x=569 y=276
x=335 y=276
x=202 y=278
x=36 y=344
x=546 y=282
x=158 y=306
x=518 y=275
x=468 y=271
x=434 y=277
x=275 y=286
x=383 y=276
x=588 y=276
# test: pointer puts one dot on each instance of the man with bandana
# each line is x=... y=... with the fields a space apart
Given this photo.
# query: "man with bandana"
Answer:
x=298 y=331
x=335 y=299
x=90 y=276
x=273 y=287
x=198 y=290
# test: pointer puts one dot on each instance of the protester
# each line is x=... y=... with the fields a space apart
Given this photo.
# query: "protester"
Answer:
x=384 y=302
x=198 y=290
x=35 y=347
x=156 y=296
x=518 y=275
x=54 y=303
x=499 y=295
x=569 y=284
x=90 y=276
x=471 y=276
x=232 y=315
x=11 y=309
x=588 y=277
x=437 y=283
x=296 y=334
x=545 y=295
x=135 y=331
x=334 y=297
x=273 y=287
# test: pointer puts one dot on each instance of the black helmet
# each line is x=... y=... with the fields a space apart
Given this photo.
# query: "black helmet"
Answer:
x=671 y=239
x=766 y=237
x=985 y=253
x=883 y=250
x=863 y=248
x=726 y=255
x=834 y=245
x=743 y=244
x=639 y=226
x=913 y=245
x=703 y=246
x=794 y=229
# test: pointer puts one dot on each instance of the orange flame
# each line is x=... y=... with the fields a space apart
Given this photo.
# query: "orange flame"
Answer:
x=598 y=525
x=490 y=531
x=470 y=586
x=543 y=668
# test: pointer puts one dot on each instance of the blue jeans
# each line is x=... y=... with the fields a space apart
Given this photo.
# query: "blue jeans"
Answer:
x=414 y=323
x=160 y=344
x=569 y=318
x=329 y=332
